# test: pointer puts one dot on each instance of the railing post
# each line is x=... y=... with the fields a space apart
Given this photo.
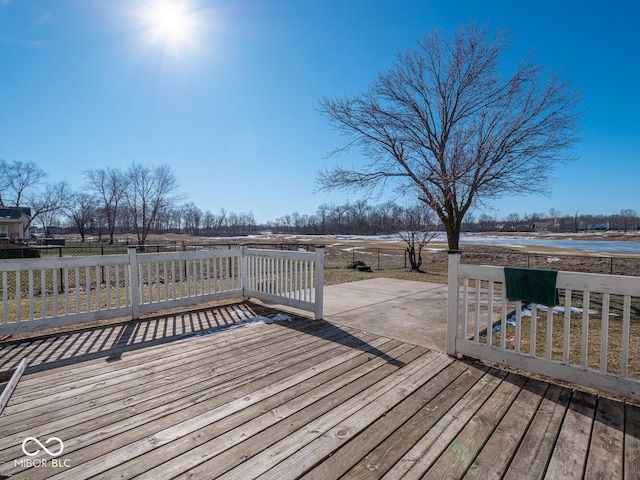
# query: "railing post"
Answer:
x=453 y=299
x=133 y=282
x=244 y=272
x=319 y=261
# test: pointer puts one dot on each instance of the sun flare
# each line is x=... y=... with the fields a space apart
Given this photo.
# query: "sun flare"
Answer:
x=171 y=22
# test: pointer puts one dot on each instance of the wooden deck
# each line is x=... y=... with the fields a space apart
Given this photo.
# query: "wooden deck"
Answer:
x=169 y=397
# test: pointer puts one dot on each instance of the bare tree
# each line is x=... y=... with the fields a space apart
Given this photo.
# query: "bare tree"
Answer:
x=17 y=179
x=628 y=218
x=192 y=216
x=554 y=214
x=449 y=124
x=109 y=185
x=417 y=232
x=221 y=221
x=149 y=190
x=81 y=210
x=47 y=204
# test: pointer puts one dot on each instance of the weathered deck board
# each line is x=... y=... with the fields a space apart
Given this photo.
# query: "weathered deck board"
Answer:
x=569 y=457
x=171 y=398
x=530 y=461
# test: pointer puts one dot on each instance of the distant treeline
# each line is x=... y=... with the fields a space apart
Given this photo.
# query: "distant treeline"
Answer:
x=358 y=218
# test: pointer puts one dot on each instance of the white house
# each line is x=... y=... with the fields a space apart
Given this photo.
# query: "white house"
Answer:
x=13 y=223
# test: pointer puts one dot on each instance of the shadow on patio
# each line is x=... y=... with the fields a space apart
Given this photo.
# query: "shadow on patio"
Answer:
x=112 y=340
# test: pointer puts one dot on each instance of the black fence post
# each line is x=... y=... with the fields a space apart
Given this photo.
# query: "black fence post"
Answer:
x=611 y=266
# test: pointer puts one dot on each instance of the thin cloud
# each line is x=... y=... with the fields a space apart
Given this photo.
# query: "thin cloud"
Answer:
x=22 y=43
x=22 y=39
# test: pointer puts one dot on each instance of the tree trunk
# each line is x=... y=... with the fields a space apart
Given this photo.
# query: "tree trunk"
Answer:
x=453 y=234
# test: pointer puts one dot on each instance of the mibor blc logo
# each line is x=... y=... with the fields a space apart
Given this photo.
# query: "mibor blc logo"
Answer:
x=26 y=447
x=53 y=447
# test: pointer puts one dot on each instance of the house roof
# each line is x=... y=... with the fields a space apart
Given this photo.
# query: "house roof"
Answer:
x=14 y=212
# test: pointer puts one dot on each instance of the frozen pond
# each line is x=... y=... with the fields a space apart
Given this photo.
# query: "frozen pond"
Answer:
x=599 y=246
x=604 y=246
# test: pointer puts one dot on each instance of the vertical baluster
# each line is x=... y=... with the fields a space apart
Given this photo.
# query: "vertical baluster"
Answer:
x=146 y=283
x=490 y=315
x=162 y=281
x=533 y=334
x=465 y=309
x=127 y=292
x=107 y=280
x=518 y=335
x=549 y=333
x=182 y=274
x=604 y=333
x=87 y=283
x=216 y=288
x=98 y=271
x=157 y=281
x=54 y=278
x=223 y=273
x=211 y=261
x=272 y=274
x=18 y=296
x=626 y=319
x=194 y=276
x=476 y=320
x=43 y=291
x=503 y=319
x=255 y=272
x=230 y=266
x=5 y=298
x=118 y=290
x=77 y=287
x=303 y=280
x=549 y=338
x=586 y=301
x=252 y=281
x=31 y=310
x=312 y=277
x=567 y=325
x=306 y=281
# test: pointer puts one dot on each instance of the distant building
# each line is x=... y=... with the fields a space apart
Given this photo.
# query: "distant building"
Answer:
x=599 y=226
x=13 y=223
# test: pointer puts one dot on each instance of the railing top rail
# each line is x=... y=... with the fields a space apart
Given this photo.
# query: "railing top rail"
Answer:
x=61 y=262
x=293 y=255
x=593 y=282
x=192 y=254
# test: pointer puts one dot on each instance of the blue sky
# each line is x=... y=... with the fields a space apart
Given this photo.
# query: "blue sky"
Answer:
x=229 y=99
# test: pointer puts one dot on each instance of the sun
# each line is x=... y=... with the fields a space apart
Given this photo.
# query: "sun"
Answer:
x=170 y=19
x=171 y=22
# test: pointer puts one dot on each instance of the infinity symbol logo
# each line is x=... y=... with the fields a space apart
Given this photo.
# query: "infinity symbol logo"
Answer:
x=35 y=440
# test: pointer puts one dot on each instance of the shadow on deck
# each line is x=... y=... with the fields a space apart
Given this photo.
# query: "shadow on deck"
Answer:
x=192 y=395
x=66 y=348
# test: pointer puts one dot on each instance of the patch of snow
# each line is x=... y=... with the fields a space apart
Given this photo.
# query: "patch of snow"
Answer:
x=526 y=312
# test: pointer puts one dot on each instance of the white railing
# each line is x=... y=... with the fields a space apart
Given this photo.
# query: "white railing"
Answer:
x=289 y=278
x=587 y=339
x=52 y=292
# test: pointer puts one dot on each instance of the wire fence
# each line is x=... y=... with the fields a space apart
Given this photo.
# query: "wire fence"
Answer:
x=434 y=260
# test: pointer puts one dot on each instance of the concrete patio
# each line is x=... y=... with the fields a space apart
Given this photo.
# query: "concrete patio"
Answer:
x=414 y=312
